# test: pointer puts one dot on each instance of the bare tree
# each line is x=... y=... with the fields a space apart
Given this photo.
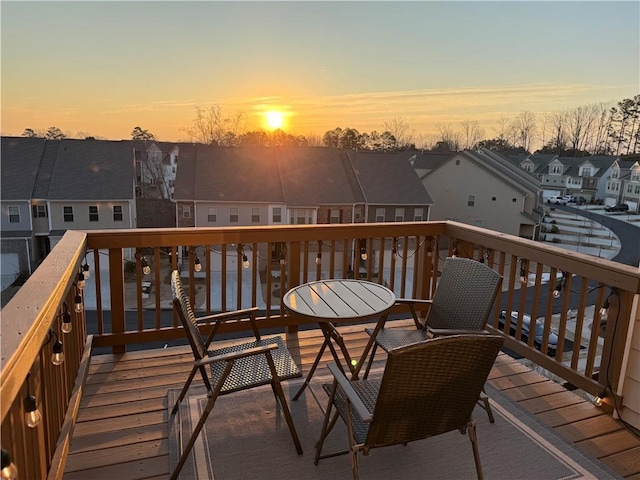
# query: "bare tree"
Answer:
x=141 y=134
x=447 y=135
x=211 y=127
x=524 y=127
x=400 y=131
x=558 y=140
x=54 y=133
x=471 y=133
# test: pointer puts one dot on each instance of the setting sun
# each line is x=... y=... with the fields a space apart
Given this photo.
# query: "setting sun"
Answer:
x=275 y=119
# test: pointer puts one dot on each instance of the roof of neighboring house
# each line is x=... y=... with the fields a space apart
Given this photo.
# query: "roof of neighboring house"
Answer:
x=16 y=234
x=504 y=167
x=228 y=174
x=313 y=176
x=431 y=160
x=389 y=179
x=19 y=161
x=93 y=170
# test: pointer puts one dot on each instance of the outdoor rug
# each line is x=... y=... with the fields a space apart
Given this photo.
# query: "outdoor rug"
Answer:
x=246 y=436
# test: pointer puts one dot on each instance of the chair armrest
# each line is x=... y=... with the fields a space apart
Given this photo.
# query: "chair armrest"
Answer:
x=439 y=332
x=353 y=397
x=225 y=315
x=226 y=357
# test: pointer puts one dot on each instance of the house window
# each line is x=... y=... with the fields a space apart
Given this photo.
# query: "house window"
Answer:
x=493 y=199
x=471 y=201
x=399 y=215
x=637 y=190
x=586 y=172
x=117 y=213
x=255 y=215
x=212 y=215
x=629 y=188
x=418 y=215
x=186 y=211
x=93 y=213
x=556 y=169
x=334 y=216
x=615 y=173
x=300 y=216
x=67 y=214
x=379 y=215
x=39 y=211
x=233 y=214
x=514 y=200
x=457 y=161
x=14 y=214
x=277 y=215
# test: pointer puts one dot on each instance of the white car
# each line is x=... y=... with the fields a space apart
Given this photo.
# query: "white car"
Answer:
x=557 y=200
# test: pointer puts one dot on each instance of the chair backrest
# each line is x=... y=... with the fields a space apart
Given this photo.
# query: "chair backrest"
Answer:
x=182 y=306
x=465 y=295
x=431 y=387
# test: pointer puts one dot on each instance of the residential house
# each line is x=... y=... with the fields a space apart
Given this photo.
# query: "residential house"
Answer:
x=580 y=176
x=484 y=189
x=50 y=186
x=623 y=184
x=20 y=161
x=156 y=166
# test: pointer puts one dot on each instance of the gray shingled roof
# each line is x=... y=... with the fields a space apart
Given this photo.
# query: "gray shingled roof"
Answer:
x=314 y=176
x=93 y=170
x=431 y=160
x=228 y=174
x=389 y=179
x=19 y=163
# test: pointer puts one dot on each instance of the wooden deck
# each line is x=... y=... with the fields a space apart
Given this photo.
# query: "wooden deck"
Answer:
x=121 y=430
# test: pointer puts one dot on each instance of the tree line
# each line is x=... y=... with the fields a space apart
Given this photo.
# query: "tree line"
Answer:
x=596 y=129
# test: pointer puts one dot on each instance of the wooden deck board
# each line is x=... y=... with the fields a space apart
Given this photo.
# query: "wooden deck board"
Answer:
x=121 y=430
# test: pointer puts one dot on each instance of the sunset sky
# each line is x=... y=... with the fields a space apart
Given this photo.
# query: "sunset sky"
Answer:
x=102 y=68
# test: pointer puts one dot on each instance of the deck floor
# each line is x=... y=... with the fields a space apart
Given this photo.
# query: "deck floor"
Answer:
x=121 y=430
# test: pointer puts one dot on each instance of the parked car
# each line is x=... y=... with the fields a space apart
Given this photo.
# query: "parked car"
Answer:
x=577 y=200
x=617 y=207
x=524 y=332
x=557 y=200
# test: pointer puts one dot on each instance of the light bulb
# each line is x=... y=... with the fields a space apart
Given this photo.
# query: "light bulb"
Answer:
x=77 y=303
x=85 y=271
x=31 y=413
x=80 y=281
x=146 y=269
x=319 y=259
x=597 y=402
x=9 y=470
x=556 y=293
x=197 y=266
x=604 y=313
x=245 y=261
x=66 y=322
x=282 y=261
x=364 y=256
x=57 y=357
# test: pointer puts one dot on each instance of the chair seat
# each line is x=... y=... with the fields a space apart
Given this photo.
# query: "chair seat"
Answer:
x=390 y=338
x=368 y=392
x=252 y=371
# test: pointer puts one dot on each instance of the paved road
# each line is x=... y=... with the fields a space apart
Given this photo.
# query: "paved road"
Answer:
x=628 y=233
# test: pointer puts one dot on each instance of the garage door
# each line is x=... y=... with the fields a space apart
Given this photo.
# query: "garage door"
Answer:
x=550 y=193
x=10 y=269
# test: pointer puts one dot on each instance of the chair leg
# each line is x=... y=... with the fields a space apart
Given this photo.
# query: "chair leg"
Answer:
x=373 y=354
x=484 y=399
x=471 y=430
x=324 y=432
x=183 y=392
x=279 y=393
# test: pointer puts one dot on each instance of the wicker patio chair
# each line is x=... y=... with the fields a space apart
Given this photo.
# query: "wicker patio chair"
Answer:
x=462 y=302
x=426 y=389
x=231 y=368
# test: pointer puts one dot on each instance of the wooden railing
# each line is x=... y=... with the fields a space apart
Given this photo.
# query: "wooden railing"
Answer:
x=124 y=306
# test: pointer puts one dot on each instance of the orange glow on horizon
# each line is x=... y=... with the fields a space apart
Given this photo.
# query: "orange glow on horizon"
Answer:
x=274 y=119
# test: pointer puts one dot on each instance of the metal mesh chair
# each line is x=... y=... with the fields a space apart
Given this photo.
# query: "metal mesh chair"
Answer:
x=230 y=368
x=462 y=302
x=426 y=389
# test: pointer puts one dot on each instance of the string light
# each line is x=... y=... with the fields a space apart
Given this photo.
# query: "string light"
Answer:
x=31 y=413
x=604 y=310
x=523 y=271
x=394 y=249
x=241 y=254
x=197 y=266
x=57 y=355
x=77 y=303
x=319 y=258
x=599 y=399
x=80 y=283
x=66 y=326
x=558 y=290
x=146 y=269
x=8 y=469
x=85 y=270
